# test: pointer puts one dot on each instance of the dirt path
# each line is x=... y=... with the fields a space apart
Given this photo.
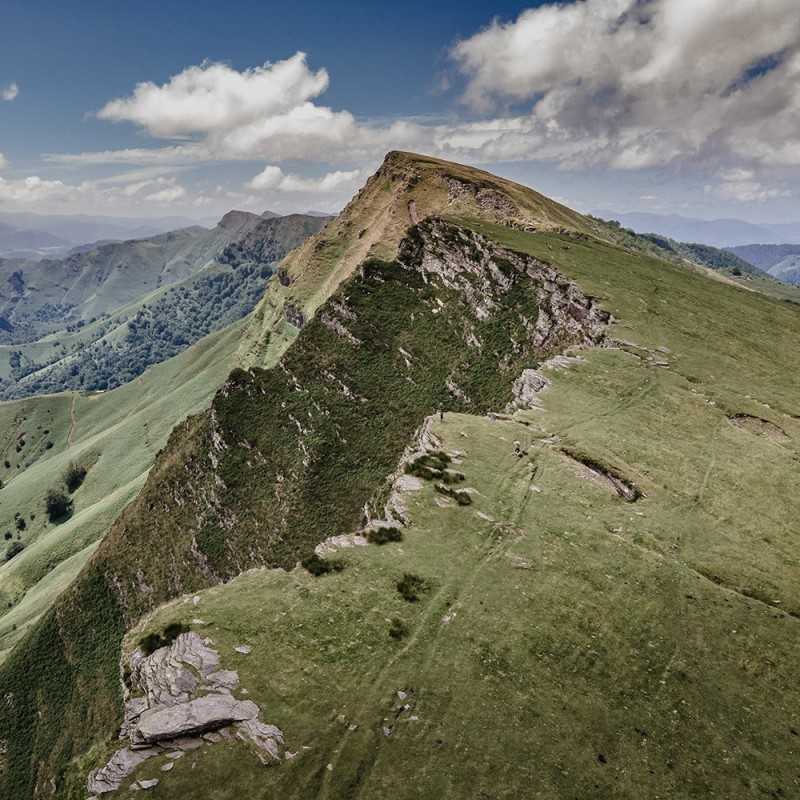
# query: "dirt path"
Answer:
x=73 y=420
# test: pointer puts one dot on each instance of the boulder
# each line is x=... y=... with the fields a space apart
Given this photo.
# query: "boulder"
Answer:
x=197 y=716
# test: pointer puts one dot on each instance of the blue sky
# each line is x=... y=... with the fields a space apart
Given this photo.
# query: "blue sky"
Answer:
x=605 y=104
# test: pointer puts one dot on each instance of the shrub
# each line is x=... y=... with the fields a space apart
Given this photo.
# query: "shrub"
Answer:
x=384 y=534
x=74 y=476
x=153 y=641
x=320 y=566
x=452 y=476
x=398 y=629
x=429 y=465
x=20 y=523
x=459 y=495
x=411 y=587
x=57 y=505
x=14 y=549
x=7 y=535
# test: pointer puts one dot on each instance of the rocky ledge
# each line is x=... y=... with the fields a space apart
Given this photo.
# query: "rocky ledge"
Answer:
x=177 y=699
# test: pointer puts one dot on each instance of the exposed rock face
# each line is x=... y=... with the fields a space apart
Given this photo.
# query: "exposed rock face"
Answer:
x=166 y=712
x=478 y=269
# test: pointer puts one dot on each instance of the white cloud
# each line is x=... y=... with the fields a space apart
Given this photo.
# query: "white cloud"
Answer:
x=10 y=92
x=276 y=179
x=168 y=195
x=31 y=190
x=741 y=186
x=89 y=196
x=641 y=83
x=215 y=97
x=617 y=84
x=172 y=156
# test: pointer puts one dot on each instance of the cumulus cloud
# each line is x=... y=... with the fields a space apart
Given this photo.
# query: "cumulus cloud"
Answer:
x=274 y=178
x=31 y=190
x=9 y=92
x=641 y=83
x=215 y=97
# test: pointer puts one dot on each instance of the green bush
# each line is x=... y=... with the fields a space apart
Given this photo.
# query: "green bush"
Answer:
x=384 y=535
x=411 y=587
x=74 y=476
x=153 y=641
x=459 y=495
x=398 y=629
x=429 y=465
x=14 y=549
x=57 y=505
x=320 y=566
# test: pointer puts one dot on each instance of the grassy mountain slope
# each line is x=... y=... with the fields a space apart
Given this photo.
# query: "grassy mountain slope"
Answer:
x=565 y=642
x=115 y=435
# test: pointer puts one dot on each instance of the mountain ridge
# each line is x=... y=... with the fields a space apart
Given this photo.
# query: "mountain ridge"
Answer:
x=406 y=345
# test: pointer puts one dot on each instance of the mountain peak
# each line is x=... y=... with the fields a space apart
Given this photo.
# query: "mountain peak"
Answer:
x=237 y=219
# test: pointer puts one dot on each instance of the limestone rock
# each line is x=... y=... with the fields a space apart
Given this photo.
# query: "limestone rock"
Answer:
x=110 y=777
x=525 y=389
x=267 y=738
x=169 y=676
x=197 y=716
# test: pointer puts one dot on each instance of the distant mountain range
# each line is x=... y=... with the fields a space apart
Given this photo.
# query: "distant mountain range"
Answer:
x=99 y=316
x=715 y=232
x=782 y=261
x=29 y=235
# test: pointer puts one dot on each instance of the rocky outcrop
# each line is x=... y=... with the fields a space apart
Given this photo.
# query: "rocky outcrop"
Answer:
x=294 y=315
x=481 y=272
x=178 y=698
x=532 y=382
x=526 y=388
x=122 y=764
x=208 y=713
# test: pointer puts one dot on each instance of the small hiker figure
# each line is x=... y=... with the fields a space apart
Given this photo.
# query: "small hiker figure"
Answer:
x=441 y=415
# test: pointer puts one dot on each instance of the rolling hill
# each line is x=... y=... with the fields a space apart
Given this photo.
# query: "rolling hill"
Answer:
x=492 y=506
